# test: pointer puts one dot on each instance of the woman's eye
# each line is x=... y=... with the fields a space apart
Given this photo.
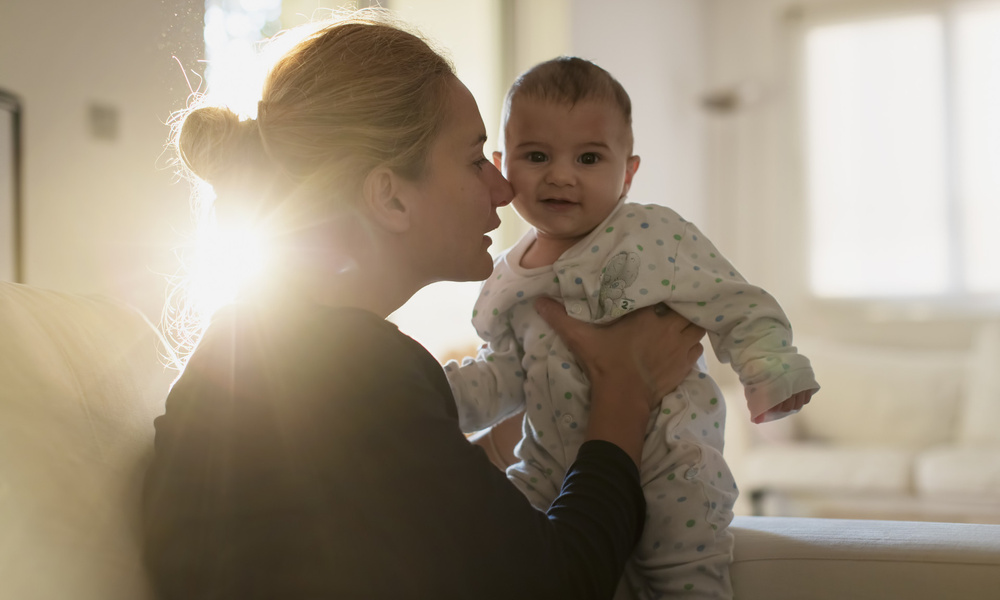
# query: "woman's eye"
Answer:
x=536 y=156
x=589 y=158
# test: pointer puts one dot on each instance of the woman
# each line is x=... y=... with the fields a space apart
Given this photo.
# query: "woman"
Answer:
x=310 y=450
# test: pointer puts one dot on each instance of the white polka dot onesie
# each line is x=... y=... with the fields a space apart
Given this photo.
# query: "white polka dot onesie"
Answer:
x=639 y=256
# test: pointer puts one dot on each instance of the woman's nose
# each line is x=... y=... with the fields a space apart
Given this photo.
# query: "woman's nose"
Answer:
x=501 y=192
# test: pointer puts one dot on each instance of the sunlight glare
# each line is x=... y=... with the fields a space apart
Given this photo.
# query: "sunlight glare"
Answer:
x=225 y=261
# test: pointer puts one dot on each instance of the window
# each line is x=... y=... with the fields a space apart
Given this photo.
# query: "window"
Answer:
x=902 y=119
x=233 y=28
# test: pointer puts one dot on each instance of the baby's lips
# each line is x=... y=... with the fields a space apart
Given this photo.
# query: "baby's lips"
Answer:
x=558 y=201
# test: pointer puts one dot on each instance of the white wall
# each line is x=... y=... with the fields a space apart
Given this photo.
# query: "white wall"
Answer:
x=656 y=49
x=99 y=215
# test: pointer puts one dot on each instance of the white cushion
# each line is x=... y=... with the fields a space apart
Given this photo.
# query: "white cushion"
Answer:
x=962 y=473
x=980 y=419
x=818 y=468
x=80 y=382
x=892 y=397
x=782 y=558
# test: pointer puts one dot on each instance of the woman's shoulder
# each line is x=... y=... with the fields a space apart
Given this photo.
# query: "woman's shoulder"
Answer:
x=300 y=328
x=313 y=350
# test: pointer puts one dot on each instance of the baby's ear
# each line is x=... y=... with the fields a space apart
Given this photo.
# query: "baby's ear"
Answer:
x=631 y=166
x=498 y=160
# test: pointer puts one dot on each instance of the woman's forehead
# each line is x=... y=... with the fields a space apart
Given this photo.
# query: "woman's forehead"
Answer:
x=463 y=125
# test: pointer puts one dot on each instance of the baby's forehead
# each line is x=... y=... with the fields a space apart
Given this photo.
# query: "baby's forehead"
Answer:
x=528 y=102
x=605 y=110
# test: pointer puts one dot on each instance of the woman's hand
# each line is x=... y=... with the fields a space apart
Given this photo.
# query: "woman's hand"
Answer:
x=631 y=363
x=653 y=345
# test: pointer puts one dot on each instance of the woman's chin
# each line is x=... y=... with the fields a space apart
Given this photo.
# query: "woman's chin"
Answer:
x=483 y=270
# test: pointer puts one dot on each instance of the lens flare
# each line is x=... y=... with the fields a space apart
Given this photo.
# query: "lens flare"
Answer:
x=227 y=261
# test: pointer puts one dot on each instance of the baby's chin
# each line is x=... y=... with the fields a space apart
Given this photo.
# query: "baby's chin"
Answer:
x=563 y=237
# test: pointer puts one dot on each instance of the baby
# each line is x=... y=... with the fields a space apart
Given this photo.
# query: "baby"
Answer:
x=567 y=151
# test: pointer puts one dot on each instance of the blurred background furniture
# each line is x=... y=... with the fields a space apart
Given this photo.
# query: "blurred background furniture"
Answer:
x=81 y=380
x=902 y=433
x=783 y=558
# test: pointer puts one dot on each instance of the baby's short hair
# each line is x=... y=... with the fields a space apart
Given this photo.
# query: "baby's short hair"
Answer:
x=568 y=80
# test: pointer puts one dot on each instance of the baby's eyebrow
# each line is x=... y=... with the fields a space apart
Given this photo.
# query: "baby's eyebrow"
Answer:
x=583 y=145
x=480 y=140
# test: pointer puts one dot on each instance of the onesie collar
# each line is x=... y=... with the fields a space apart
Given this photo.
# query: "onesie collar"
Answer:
x=512 y=257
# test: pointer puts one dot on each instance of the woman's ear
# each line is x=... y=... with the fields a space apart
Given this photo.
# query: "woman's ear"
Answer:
x=382 y=200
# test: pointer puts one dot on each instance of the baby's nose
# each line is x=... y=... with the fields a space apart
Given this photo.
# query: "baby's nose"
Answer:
x=559 y=173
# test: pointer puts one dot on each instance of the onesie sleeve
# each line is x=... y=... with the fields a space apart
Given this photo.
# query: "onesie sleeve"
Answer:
x=745 y=324
x=490 y=387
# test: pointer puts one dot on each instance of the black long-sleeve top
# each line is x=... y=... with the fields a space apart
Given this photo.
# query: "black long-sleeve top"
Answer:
x=315 y=453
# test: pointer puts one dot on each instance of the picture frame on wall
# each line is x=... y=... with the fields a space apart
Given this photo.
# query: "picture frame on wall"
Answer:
x=11 y=266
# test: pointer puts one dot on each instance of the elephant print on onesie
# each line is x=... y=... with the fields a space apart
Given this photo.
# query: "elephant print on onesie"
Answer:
x=620 y=272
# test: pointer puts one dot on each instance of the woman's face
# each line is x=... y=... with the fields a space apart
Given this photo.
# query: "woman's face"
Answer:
x=457 y=198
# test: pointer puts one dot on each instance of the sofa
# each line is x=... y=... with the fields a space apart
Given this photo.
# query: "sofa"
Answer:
x=81 y=379
x=895 y=433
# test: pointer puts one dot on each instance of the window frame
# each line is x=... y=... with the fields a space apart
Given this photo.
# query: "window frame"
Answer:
x=11 y=197
x=956 y=300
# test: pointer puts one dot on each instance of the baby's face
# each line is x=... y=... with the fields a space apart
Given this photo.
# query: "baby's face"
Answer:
x=569 y=166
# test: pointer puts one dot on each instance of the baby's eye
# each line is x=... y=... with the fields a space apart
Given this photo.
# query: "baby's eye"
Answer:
x=479 y=164
x=589 y=158
x=537 y=157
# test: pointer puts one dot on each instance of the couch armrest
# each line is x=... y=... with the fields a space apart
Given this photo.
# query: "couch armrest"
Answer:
x=81 y=380
x=778 y=558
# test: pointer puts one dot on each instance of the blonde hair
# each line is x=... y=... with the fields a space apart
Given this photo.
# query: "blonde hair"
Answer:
x=355 y=93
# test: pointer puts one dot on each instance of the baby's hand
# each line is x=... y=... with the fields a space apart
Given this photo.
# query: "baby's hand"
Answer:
x=793 y=404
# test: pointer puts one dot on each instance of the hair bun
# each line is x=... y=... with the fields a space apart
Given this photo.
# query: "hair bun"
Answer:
x=213 y=140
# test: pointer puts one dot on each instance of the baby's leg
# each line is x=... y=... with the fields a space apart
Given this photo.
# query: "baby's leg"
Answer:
x=686 y=547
